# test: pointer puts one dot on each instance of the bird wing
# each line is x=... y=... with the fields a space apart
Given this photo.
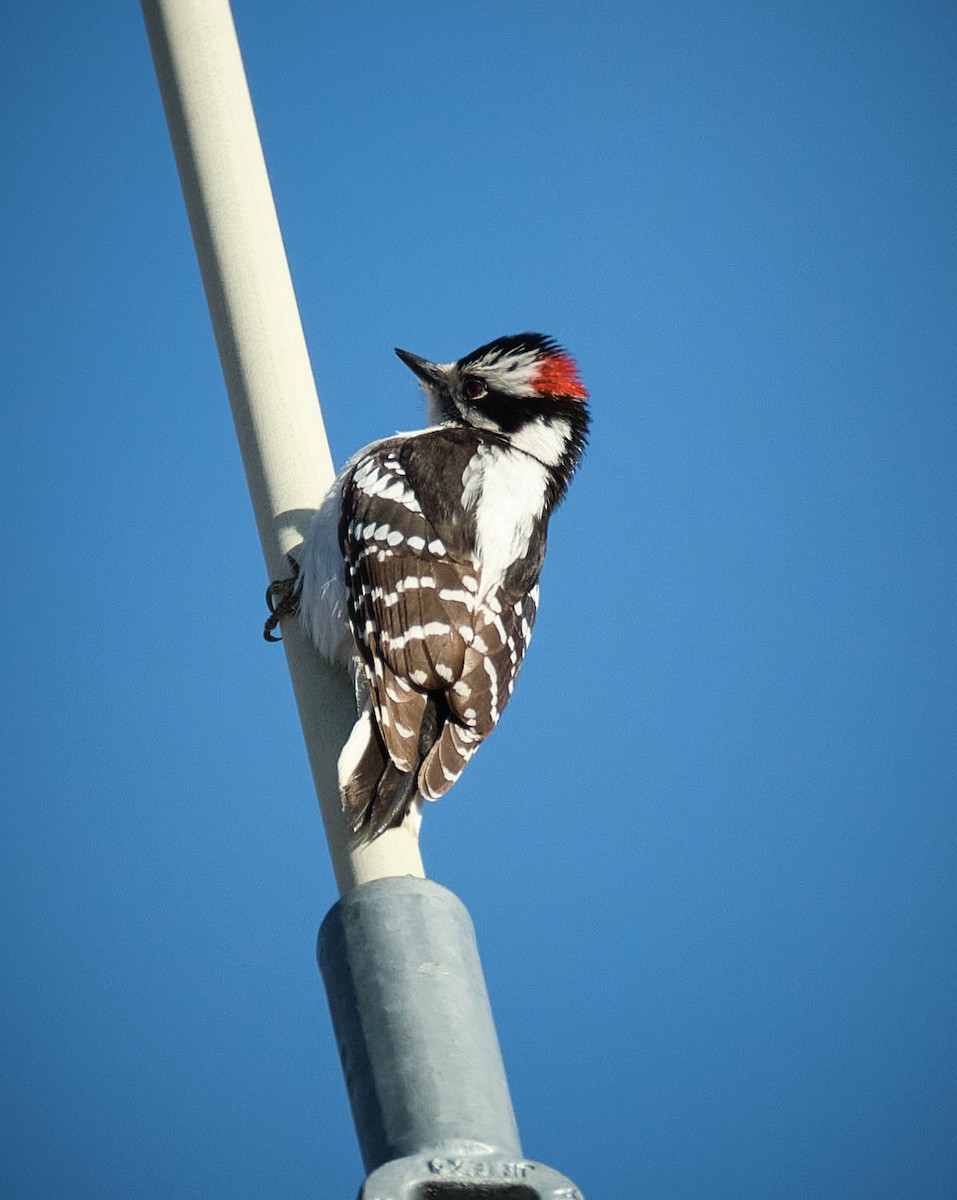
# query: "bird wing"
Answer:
x=409 y=603
x=440 y=663
x=501 y=630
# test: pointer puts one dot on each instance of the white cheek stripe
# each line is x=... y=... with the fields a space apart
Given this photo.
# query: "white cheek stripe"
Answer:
x=546 y=441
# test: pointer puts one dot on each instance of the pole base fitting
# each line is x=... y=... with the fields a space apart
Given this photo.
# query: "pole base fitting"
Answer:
x=467 y=1171
x=419 y=1052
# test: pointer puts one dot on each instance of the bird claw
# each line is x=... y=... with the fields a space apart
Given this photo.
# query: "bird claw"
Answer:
x=281 y=600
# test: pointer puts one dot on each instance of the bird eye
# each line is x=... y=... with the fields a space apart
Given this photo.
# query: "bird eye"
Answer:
x=473 y=389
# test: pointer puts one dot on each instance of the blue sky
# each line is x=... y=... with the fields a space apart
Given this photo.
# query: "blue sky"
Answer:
x=710 y=852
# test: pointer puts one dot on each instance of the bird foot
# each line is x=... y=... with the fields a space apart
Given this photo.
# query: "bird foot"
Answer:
x=281 y=600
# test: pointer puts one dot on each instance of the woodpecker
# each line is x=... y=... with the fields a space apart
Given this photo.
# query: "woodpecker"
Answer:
x=419 y=573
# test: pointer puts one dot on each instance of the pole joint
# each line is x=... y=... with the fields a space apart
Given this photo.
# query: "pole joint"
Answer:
x=419 y=1051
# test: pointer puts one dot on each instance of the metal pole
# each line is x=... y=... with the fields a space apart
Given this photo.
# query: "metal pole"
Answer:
x=419 y=1051
x=265 y=362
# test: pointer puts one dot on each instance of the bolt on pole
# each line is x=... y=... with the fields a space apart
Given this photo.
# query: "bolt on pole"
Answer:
x=397 y=953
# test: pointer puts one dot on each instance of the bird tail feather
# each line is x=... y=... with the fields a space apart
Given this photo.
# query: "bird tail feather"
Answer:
x=376 y=794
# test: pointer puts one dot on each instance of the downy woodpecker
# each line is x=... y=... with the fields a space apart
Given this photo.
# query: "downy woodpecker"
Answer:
x=420 y=571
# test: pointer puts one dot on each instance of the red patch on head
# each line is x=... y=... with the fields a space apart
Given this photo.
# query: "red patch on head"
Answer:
x=558 y=375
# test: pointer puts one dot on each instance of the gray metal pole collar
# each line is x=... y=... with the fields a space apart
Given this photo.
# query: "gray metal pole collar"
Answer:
x=419 y=1050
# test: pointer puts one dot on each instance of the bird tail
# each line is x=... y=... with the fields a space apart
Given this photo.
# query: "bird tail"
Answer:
x=376 y=794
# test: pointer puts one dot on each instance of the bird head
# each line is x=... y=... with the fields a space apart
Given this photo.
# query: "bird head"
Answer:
x=523 y=389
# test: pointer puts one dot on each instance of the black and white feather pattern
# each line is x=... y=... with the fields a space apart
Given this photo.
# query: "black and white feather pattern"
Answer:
x=420 y=571
x=440 y=639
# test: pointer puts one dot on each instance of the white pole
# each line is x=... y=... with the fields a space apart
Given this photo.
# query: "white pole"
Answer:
x=265 y=362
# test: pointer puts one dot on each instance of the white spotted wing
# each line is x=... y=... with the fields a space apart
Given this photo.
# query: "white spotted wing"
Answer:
x=440 y=664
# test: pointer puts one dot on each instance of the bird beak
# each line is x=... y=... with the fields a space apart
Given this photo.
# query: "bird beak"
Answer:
x=430 y=373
